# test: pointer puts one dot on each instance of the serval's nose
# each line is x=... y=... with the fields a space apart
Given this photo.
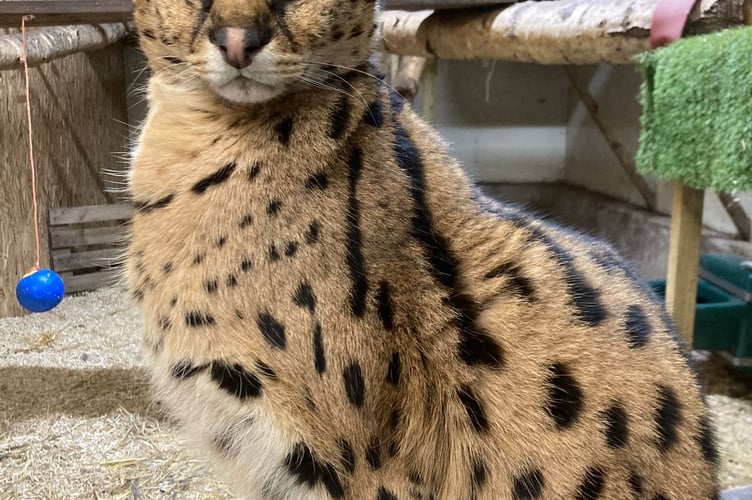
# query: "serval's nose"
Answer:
x=238 y=45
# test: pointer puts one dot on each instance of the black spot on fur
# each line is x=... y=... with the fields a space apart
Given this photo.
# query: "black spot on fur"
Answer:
x=312 y=235
x=165 y=323
x=592 y=485
x=385 y=494
x=198 y=259
x=265 y=370
x=196 y=319
x=304 y=297
x=339 y=118
x=706 y=441
x=167 y=268
x=659 y=496
x=284 y=131
x=246 y=221
x=348 y=456
x=309 y=399
x=301 y=464
x=395 y=367
x=145 y=207
x=516 y=283
x=667 y=418
x=318 y=350
x=474 y=408
x=585 y=299
x=273 y=208
x=373 y=454
x=635 y=484
x=235 y=380
x=637 y=327
x=384 y=301
x=185 y=370
x=274 y=255
x=331 y=481
x=272 y=330
x=354 y=384
x=317 y=181
x=617 y=426
x=480 y=474
x=211 y=286
x=374 y=114
x=232 y=281
x=355 y=259
x=528 y=485
x=221 y=241
x=476 y=346
x=253 y=172
x=564 y=402
x=291 y=249
x=214 y=179
x=246 y=265
x=307 y=470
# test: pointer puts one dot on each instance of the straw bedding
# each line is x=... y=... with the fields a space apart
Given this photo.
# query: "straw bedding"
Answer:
x=76 y=420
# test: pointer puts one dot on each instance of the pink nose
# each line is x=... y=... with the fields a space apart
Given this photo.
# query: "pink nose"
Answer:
x=238 y=45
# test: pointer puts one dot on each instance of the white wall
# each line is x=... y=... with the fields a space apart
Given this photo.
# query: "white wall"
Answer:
x=506 y=122
x=522 y=123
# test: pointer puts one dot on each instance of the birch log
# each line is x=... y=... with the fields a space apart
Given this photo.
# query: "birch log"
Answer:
x=552 y=32
x=45 y=44
x=407 y=80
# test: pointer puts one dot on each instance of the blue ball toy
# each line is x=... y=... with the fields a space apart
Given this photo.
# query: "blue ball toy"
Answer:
x=40 y=290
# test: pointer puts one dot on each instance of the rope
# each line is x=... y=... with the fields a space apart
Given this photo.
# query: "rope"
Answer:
x=31 y=140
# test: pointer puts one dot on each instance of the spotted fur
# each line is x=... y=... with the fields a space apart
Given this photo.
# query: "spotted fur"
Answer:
x=333 y=311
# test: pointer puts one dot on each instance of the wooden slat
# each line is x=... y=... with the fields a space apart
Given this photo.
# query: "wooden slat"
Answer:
x=61 y=12
x=91 y=281
x=87 y=260
x=684 y=258
x=65 y=237
x=92 y=213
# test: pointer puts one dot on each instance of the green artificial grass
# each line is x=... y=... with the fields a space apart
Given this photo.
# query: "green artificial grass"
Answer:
x=697 y=111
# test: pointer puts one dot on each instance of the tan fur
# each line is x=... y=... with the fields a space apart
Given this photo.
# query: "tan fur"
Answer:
x=210 y=257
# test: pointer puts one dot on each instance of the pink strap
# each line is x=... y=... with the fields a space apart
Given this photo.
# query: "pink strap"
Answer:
x=669 y=19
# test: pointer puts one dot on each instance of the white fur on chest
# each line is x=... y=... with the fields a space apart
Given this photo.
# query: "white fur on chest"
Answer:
x=244 y=440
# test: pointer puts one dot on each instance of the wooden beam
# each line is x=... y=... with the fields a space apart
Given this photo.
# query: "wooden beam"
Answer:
x=552 y=32
x=63 y=12
x=684 y=258
x=738 y=215
x=54 y=42
x=625 y=160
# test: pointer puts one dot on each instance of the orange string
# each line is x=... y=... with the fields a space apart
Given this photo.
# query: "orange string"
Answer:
x=31 y=142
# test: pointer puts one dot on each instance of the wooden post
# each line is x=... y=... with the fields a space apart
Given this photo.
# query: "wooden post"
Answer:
x=684 y=258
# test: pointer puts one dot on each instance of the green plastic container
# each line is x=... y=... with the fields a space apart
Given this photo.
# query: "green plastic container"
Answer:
x=723 y=314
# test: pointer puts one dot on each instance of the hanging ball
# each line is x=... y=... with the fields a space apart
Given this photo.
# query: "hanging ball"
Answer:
x=40 y=290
